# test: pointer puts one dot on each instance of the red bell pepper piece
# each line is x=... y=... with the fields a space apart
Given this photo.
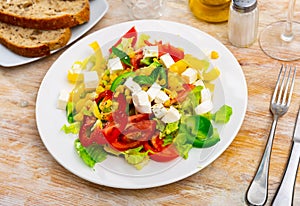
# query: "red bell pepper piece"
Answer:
x=131 y=33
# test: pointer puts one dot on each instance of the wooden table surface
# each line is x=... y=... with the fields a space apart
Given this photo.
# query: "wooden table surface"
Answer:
x=30 y=176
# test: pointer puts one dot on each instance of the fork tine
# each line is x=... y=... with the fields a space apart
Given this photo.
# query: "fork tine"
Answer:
x=292 y=86
x=282 y=85
x=276 y=86
x=286 y=87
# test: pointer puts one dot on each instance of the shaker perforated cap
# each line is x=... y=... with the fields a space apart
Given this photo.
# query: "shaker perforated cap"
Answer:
x=244 y=6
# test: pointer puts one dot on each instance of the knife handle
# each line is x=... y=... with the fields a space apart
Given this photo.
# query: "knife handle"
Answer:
x=285 y=193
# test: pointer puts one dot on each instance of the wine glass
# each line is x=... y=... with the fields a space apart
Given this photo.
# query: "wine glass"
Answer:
x=281 y=40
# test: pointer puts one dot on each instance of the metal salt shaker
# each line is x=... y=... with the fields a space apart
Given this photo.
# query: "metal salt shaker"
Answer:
x=243 y=22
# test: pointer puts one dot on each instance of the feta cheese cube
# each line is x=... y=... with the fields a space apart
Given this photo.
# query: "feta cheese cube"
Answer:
x=167 y=60
x=199 y=82
x=190 y=75
x=159 y=110
x=172 y=115
x=161 y=97
x=204 y=107
x=91 y=80
x=114 y=64
x=132 y=85
x=205 y=95
x=63 y=99
x=141 y=102
x=153 y=91
x=150 y=51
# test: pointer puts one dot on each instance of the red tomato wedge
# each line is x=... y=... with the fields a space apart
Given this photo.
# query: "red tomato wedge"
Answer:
x=85 y=130
x=161 y=153
x=134 y=135
x=167 y=154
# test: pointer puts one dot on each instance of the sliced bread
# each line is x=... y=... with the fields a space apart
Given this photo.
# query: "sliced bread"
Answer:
x=32 y=42
x=45 y=14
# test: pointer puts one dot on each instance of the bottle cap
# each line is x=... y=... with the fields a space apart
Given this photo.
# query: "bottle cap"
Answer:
x=244 y=6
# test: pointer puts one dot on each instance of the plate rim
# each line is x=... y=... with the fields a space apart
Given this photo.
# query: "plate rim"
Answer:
x=138 y=22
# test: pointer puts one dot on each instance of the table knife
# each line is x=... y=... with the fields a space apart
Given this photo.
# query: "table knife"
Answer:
x=285 y=193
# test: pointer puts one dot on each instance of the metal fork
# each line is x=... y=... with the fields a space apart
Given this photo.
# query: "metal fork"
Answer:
x=257 y=192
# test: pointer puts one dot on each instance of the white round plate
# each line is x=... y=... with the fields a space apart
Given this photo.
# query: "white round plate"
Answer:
x=231 y=89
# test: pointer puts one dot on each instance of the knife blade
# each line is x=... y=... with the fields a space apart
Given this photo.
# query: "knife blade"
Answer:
x=285 y=193
x=296 y=136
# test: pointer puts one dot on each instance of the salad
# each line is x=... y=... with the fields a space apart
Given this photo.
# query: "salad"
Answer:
x=147 y=101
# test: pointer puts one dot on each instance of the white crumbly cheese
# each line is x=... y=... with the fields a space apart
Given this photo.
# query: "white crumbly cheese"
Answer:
x=204 y=107
x=153 y=90
x=205 y=95
x=63 y=99
x=141 y=102
x=91 y=80
x=159 y=110
x=199 y=82
x=190 y=75
x=132 y=85
x=114 y=64
x=150 y=51
x=167 y=60
x=172 y=115
x=161 y=97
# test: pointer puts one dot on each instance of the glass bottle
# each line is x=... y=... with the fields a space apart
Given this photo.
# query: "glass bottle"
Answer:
x=210 y=10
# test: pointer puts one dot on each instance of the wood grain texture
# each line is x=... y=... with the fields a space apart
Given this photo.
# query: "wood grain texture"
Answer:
x=30 y=176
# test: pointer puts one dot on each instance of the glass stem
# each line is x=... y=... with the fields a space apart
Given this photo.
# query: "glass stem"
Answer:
x=288 y=32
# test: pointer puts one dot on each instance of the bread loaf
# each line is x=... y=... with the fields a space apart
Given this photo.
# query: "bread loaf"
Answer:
x=32 y=42
x=45 y=14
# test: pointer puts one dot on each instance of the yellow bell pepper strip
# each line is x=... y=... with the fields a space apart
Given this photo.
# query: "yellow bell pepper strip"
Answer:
x=179 y=66
x=195 y=63
x=211 y=75
x=99 y=61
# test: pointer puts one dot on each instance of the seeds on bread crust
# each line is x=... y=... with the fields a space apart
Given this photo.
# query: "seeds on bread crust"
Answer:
x=45 y=14
x=32 y=42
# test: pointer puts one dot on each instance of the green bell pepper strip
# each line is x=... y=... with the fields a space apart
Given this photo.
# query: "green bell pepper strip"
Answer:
x=122 y=55
x=120 y=80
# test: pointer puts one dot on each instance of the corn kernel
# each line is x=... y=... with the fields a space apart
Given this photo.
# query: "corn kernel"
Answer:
x=214 y=55
x=100 y=89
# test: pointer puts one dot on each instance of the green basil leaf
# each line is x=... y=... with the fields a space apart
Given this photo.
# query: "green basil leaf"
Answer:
x=122 y=55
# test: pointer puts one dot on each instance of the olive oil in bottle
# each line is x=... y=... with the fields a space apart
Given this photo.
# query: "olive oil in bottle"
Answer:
x=210 y=10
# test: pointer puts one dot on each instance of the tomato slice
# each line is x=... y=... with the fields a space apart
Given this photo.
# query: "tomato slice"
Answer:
x=140 y=131
x=134 y=135
x=161 y=153
x=120 y=146
x=138 y=118
x=129 y=34
x=85 y=130
x=167 y=154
